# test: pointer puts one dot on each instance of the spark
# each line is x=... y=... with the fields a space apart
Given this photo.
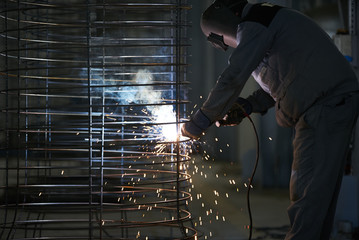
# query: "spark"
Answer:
x=166 y=125
x=166 y=118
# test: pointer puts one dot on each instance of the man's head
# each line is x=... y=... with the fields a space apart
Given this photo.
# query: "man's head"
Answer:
x=219 y=22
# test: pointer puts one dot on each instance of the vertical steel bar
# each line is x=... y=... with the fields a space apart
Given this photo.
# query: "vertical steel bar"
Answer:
x=6 y=127
x=178 y=112
x=18 y=134
x=101 y=220
x=89 y=98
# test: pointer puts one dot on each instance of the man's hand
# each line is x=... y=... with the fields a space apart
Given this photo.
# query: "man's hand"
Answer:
x=240 y=109
x=196 y=126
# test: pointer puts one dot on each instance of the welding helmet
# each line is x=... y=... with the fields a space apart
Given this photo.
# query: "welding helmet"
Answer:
x=220 y=21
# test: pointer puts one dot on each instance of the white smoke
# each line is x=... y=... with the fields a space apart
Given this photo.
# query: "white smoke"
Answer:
x=146 y=94
x=163 y=115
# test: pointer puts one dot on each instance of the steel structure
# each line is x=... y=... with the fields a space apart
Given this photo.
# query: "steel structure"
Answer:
x=89 y=91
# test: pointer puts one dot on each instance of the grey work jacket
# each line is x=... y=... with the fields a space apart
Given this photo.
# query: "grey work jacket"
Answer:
x=294 y=61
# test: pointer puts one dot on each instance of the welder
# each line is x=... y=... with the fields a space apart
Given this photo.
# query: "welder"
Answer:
x=309 y=82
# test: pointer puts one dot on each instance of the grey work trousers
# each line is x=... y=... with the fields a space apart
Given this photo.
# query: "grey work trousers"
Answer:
x=320 y=145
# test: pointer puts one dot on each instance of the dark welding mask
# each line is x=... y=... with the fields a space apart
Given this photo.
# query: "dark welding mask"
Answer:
x=220 y=21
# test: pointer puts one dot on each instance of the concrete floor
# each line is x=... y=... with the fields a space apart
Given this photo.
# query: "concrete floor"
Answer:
x=219 y=205
x=220 y=210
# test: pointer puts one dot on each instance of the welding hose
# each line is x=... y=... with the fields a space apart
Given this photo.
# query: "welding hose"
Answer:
x=246 y=109
x=251 y=178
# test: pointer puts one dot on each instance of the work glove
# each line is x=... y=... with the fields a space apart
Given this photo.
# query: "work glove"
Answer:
x=196 y=126
x=239 y=110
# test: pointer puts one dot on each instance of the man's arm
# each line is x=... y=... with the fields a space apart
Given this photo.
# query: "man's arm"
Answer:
x=254 y=41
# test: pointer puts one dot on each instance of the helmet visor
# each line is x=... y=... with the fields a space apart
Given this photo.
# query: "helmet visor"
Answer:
x=217 y=41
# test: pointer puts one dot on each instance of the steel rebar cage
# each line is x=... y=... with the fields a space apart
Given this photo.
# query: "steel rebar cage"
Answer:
x=90 y=91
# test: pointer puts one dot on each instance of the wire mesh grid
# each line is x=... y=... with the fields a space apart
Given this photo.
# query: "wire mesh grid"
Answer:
x=93 y=93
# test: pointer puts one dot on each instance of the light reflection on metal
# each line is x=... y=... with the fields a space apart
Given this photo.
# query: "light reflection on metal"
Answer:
x=84 y=88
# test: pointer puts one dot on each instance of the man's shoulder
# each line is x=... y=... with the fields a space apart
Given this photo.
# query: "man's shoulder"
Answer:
x=262 y=13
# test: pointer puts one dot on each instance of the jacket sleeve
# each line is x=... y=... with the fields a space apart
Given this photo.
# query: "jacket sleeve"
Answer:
x=261 y=101
x=254 y=40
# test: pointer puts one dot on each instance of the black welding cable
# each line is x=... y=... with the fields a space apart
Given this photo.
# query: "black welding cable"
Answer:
x=251 y=179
